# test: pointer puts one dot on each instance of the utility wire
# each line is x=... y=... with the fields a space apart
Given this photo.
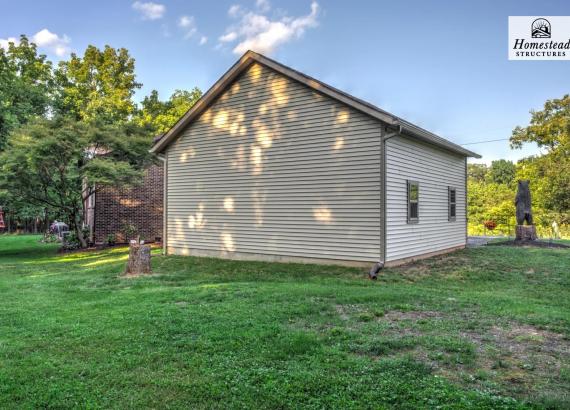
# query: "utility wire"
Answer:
x=483 y=142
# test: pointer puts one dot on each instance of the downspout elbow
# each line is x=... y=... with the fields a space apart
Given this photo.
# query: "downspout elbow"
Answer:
x=378 y=266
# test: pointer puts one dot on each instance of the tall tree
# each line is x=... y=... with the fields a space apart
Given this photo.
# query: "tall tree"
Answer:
x=60 y=163
x=548 y=128
x=98 y=86
x=502 y=172
x=26 y=86
x=549 y=173
x=161 y=115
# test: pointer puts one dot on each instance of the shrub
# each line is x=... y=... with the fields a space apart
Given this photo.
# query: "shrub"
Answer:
x=130 y=231
x=111 y=240
x=71 y=242
x=49 y=238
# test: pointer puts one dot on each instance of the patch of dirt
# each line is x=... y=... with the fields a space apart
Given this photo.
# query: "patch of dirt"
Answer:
x=521 y=342
x=519 y=358
x=346 y=312
x=396 y=315
x=524 y=344
x=340 y=309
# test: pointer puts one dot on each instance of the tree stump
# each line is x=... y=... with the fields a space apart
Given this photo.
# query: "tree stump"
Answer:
x=139 y=259
x=525 y=233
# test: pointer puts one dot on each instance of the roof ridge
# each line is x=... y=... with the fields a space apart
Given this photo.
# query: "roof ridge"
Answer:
x=250 y=56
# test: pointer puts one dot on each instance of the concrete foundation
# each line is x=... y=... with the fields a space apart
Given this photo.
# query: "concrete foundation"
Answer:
x=245 y=256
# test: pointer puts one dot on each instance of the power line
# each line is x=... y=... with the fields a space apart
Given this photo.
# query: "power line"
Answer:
x=483 y=142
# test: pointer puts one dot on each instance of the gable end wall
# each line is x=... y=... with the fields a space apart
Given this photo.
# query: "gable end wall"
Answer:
x=274 y=170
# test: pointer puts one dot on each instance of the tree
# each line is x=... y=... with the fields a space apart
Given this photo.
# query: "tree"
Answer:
x=549 y=128
x=549 y=173
x=162 y=115
x=502 y=172
x=477 y=172
x=550 y=183
x=98 y=86
x=26 y=86
x=60 y=163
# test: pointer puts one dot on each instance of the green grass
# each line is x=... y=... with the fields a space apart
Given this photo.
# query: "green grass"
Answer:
x=486 y=328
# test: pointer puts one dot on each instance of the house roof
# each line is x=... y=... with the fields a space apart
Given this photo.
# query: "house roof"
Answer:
x=251 y=57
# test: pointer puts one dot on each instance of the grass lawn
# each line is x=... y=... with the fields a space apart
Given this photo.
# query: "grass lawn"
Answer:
x=486 y=328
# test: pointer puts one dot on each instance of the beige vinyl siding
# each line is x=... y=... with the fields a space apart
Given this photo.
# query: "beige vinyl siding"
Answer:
x=275 y=168
x=435 y=170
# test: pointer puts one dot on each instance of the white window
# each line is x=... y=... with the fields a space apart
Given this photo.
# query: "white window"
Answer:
x=413 y=202
x=452 y=203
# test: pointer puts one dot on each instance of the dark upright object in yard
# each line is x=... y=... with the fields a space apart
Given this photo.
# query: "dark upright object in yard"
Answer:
x=524 y=213
x=522 y=202
x=139 y=259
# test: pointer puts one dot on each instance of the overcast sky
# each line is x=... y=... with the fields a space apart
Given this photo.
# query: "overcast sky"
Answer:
x=440 y=64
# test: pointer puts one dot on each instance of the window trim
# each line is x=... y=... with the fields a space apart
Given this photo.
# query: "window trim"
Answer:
x=451 y=218
x=409 y=184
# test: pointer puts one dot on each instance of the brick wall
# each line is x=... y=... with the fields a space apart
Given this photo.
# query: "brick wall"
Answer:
x=141 y=206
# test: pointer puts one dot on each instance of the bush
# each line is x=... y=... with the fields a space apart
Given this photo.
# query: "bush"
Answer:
x=71 y=242
x=130 y=231
x=86 y=231
x=49 y=238
x=111 y=240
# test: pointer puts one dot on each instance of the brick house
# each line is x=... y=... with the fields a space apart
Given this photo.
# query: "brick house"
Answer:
x=111 y=210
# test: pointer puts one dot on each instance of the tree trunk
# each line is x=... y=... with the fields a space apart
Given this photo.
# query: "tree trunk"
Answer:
x=46 y=221
x=526 y=233
x=139 y=260
x=80 y=236
x=76 y=225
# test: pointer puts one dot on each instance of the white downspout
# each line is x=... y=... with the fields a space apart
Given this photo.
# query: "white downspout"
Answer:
x=380 y=264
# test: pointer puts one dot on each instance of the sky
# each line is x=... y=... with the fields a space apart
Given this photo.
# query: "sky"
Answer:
x=440 y=64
